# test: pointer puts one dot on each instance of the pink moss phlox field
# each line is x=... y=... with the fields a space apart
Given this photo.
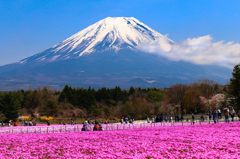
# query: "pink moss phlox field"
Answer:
x=199 y=141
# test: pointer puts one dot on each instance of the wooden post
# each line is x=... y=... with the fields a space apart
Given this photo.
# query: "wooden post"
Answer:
x=35 y=130
x=182 y=122
x=209 y=120
x=154 y=124
x=27 y=130
x=40 y=130
x=53 y=129
x=129 y=125
x=123 y=126
x=151 y=124
x=12 y=130
x=65 y=129
x=161 y=123
x=47 y=129
x=21 y=131
x=117 y=126
x=77 y=128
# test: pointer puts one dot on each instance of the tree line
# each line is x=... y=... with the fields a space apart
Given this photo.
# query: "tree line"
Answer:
x=137 y=103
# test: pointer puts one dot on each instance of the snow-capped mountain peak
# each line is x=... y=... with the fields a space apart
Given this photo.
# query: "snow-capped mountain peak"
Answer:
x=110 y=33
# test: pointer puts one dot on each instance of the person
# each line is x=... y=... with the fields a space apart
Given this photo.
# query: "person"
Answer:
x=130 y=121
x=148 y=120
x=9 y=124
x=202 y=118
x=181 y=117
x=153 y=120
x=175 y=118
x=161 y=117
x=126 y=120
x=166 y=118
x=106 y=121
x=34 y=123
x=157 y=119
x=238 y=114
x=30 y=123
x=65 y=123
x=25 y=123
x=209 y=115
x=219 y=114
x=72 y=123
x=15 y=123
x=226 y=111
x=193 y=119
x=170 y=119
x=232 y=113
x=86 y=126
x=214 y=113
x=48 y=123
x=97 y=127
x=121 y=120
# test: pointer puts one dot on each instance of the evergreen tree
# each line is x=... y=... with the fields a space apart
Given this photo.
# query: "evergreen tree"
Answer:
x=234 y=85
x=51 y=107
x=9 y=106
x=131 y=91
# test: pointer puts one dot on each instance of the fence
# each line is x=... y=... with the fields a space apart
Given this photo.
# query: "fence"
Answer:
x=106 y=127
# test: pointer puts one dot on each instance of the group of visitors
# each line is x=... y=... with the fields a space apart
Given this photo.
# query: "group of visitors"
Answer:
x=87 y=126
x=26 y=123
x=166 y=118
x=65 y=122
x=227 y=112
x=230 y=112
x=131 y=121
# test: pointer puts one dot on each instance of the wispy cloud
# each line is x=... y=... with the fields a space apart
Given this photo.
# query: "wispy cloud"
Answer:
x=200 y=50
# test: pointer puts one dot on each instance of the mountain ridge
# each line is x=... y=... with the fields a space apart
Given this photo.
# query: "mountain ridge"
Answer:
x=106 y=57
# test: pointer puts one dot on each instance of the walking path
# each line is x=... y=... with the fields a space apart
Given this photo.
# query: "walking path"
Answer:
x=106 y=127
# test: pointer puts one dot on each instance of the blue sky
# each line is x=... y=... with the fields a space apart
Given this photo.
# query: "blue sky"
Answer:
x=28 y=27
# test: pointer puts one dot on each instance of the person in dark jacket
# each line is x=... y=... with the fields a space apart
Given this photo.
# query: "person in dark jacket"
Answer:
x=214 y=113
x=48 y=123
x=121 y=120
x=97 y=127
x=161 y=117
x=193 y=119
x=72 y=123
x=202 y=118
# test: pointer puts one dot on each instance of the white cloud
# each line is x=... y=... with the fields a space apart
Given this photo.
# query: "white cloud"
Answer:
x=200 y=50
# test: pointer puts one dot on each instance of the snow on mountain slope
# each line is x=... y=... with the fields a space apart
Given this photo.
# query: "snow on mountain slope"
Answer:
x=110 y=33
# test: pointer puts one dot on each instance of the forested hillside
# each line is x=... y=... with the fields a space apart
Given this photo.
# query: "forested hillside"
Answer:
x=134 y=103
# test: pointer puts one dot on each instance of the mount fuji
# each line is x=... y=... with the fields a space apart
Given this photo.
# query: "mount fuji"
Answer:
x=106 y=54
